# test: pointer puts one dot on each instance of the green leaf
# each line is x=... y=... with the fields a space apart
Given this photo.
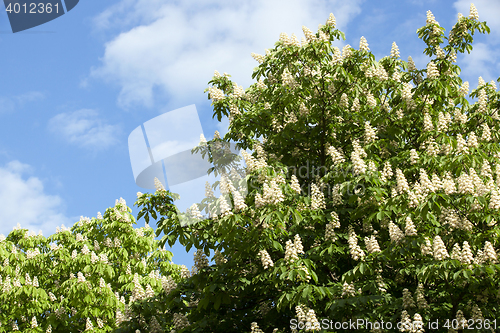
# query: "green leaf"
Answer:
x=218 y=300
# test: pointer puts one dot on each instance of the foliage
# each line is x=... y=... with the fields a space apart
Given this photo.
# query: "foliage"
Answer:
x=372 y=196
x=83 y=278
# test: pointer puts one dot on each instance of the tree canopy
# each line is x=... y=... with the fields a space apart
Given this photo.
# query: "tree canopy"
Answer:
x=372 y=193
x=370 y=201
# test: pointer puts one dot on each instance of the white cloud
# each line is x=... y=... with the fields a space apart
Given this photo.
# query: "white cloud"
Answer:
x=29 y=97
x=482 y=61
x=177 y=47
x=10 y=104
x=85 y=129
x=24 y=201
x=7 y=105
x=106 y=19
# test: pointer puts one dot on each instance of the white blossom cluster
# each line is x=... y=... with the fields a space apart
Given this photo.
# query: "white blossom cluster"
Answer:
x=370 y=134
x=382 y=286
x=395 y=233
x=266 y=259
x=444 y=119
x=252 y=163
x=462 y=147
x=439 y=52
x=410 y=229
x=411 y=64
x=394 y=50
x=450 y=217
x=406 y=92
x=209 y=193
x=473 y=12
x=317 y=198
x=168 y=284
x=238 y=91
x=344 y=101
x=347 y=51
x=439 y=249
x=180 y=321
x=216 y=94
x=88 y=325
x=294 y=184
x=219 y=258
x=272 y=194
x=200 y=260
x=331 y=21
x=489 y=253
x=417 y=326
x=432 y=70
x=288 y=79
x=428 y=125
x=193 y=212
x=426 y=248
x=461 y=321
x=330 y=232
x=356 y=106
x=52 y=297
x=482 y=101
x=303 y=268
x=30 y=254
x=185 y=272
x=370 y=99
x=476 y=314
x=363 y=44
x=386 y=172
x=377 y=71
x=348 y=290
x=356 y=252
x=293 y=249
x=494 y=199
x=154 y=326
x=308 y=318
x=472 y=140
x=120 y=317
x=158 y=185
x=337 y=156
x=464 y=89
x=408 y=301
x=430 y=18
x=357 y=159
x=225 y=208
x=255 y=328
x=372 y=244
x=466 y=254
x=239 y=201
x=138 y=293
x=308 y=34
x=402 y=183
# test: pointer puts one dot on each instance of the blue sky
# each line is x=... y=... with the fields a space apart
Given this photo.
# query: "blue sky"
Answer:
x=73 y=89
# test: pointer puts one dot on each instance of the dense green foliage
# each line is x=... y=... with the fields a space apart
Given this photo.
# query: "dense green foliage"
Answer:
x=371 y=196
x=82 y=278
x=372 y=193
